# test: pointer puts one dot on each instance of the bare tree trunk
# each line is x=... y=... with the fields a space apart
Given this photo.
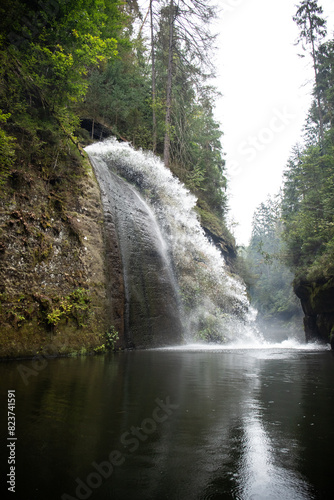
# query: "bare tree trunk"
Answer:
x=153 y=83
x=169 y=86
x=321 y=120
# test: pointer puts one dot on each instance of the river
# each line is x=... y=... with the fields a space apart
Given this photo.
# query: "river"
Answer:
x=192 y=422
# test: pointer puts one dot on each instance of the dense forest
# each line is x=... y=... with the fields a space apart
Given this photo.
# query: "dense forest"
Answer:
x=105 y=66
x=293 y=235
x=268 y=277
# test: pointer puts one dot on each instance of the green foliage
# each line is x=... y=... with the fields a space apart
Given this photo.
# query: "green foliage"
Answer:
x=211 y=327
x=111 y=337
x=118 y=96
x=79 y=305
x=74 y=60
x=7 y=151
x=15 y=310
x=308 y=18
x=54 y=316
x=308 y=210
x=101 y=349
x=76 y=306
x=269 y=281
x=312 y=28
x=214 y=224
x=308 y=193
x=46 y=56
x=196 y=150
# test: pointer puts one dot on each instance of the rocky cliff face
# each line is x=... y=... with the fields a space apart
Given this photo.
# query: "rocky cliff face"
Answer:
x=317 y=300
x=148 y=313
x=62 y=285
x=54 y=296
x=217 y=232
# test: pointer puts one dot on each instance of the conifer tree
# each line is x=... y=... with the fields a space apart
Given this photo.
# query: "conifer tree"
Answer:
x=312 y=30
x=189 y=40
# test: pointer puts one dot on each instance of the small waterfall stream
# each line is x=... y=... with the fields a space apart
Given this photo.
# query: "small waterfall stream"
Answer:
x=176 y=281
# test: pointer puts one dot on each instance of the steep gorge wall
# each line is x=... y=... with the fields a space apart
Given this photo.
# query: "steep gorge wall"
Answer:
x=61 y=270
x=55 y=282
x=317 y=300
x=152 y=315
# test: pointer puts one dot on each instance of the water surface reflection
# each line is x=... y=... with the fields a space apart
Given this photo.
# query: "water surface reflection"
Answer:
x=187 y=424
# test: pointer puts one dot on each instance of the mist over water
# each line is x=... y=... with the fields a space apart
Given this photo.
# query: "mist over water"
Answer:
x=214 y=302
x=256 y=344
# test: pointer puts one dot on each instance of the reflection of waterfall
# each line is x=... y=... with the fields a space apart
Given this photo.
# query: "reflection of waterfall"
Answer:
x=260 y=474
x=264 y=464
x=214 y=303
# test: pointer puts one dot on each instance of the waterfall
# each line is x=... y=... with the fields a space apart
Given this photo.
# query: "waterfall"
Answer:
x=175 y=279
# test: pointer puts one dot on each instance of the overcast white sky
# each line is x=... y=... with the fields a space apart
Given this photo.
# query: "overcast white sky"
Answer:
x=266 y=92
x=265 y=99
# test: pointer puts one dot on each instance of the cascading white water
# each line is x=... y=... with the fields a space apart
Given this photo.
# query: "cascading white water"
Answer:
x=215 y=306
x=148 y=296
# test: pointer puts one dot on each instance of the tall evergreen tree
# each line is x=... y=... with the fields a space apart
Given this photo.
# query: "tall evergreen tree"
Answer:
x=154 y=91
x=312 y=30
x=308 y=201
x=171 y=21
x=189 y=39
x=270 y=284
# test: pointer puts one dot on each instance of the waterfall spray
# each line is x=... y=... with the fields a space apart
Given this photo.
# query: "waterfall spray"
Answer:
x=214 y=302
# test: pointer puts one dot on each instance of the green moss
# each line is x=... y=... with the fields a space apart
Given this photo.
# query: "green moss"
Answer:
x=75 y=306
x=216 y=226
x=53 y=311
x=46 y=291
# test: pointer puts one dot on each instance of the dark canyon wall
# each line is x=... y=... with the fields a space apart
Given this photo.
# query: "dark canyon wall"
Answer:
x=317 y=300
x=53 y=279
x=62 y=261
x=145 y=297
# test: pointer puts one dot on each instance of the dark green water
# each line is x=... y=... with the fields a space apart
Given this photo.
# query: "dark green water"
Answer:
x=222 y=424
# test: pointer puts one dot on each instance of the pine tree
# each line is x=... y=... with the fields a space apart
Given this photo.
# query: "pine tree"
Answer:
x=312 y=29
x=189 y=40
